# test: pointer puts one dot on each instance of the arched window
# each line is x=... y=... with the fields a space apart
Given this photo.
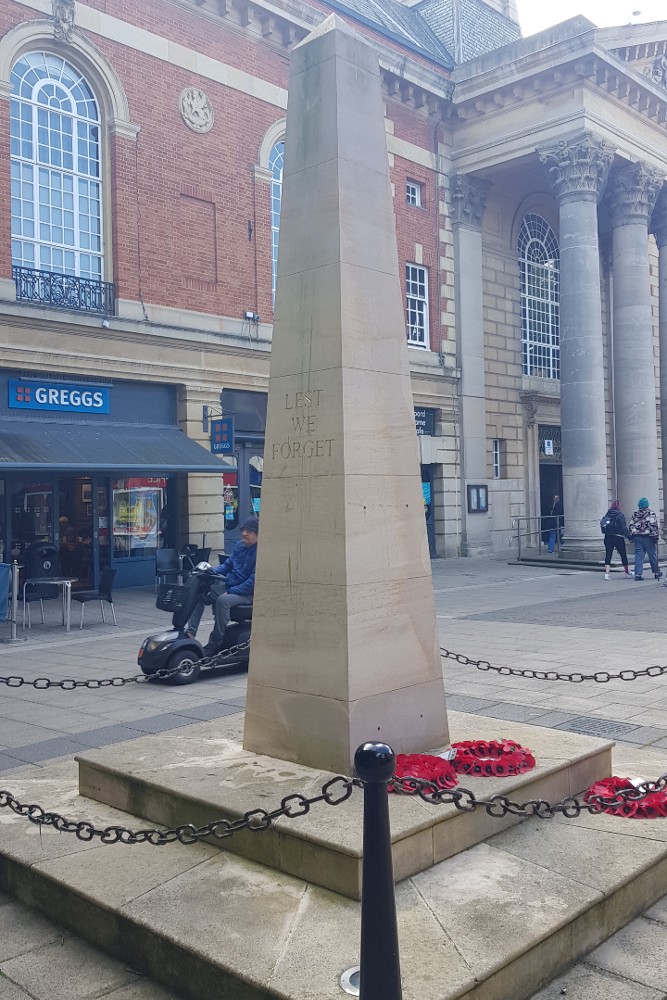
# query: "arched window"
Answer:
x=276 y=168
x=539 y=268
x=55 y=167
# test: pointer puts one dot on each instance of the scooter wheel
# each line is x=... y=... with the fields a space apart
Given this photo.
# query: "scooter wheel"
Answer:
x=187 y=665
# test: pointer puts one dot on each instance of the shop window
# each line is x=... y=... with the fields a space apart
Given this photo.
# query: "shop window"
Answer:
x=276 y=167
x=230 y=493
x=539 y=269
x=137 y=507
x=32 y=508
x=256 y=471
x=416 y=292
x=56 y=186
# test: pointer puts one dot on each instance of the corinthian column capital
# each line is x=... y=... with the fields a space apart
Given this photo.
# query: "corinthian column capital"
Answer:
x=468 y=200
x=659 y=218
x=634 y=189
x=578 y=167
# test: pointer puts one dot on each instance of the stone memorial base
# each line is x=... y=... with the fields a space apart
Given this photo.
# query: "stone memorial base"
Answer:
x=494 y=922
x=202 y=773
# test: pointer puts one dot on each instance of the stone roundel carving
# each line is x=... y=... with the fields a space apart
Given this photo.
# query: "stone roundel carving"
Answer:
x=196 y=110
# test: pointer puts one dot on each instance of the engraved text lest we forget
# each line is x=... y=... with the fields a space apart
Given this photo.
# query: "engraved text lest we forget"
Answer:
x=304 y=442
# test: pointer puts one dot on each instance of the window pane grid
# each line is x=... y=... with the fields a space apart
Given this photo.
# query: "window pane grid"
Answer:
x=416 y=303
x=55 y=123
x=276 y=160
x=539 y=270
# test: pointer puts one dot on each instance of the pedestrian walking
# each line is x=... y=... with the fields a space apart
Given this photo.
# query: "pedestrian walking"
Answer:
x=614 y=527
x=555 y=523
x=645 y=531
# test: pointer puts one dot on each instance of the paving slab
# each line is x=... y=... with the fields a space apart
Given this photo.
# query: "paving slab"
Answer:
x=56 y=967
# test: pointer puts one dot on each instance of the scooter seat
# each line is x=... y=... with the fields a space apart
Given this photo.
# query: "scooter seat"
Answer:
x=241 y=613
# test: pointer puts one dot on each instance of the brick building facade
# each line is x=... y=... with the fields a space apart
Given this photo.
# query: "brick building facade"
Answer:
x=140 y=221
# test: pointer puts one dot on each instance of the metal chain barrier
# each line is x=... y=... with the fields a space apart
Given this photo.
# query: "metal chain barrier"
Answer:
x=621 y=801
x=70 y=684
x=647 y=800
x=600 y=676
x=334 y=792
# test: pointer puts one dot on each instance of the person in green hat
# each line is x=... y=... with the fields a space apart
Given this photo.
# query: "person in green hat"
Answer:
x=645 y=531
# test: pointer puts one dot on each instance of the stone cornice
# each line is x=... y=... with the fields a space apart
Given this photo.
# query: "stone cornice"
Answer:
x=531 y=78
x=287 y=23
x=633 y=192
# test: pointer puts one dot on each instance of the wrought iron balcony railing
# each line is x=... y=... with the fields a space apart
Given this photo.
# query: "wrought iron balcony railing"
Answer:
x=64 y=291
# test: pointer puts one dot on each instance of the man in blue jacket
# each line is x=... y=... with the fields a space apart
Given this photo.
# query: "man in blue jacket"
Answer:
x=236 y=587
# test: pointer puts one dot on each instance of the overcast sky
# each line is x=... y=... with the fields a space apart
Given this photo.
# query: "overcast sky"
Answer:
x=536 y=14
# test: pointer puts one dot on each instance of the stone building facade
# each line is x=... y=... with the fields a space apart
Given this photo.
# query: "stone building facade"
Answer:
x=140 y=203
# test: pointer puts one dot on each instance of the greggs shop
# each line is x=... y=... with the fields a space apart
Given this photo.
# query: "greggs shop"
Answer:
x=92 y=466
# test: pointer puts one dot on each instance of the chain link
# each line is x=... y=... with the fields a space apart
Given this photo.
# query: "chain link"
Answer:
x=499 y=805
x=600 y=676
x=70 y=684
x=334 y=792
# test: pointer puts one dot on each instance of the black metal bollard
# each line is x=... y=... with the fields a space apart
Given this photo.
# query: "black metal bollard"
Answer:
x=380 y=975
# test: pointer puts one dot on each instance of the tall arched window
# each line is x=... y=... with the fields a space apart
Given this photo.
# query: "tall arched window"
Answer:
x=539 y=268
x=55 y=166
x=276 y=168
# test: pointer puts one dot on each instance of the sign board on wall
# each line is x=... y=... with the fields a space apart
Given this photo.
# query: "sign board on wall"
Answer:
x=31 y=394
x=425 y=421
x=222 y=435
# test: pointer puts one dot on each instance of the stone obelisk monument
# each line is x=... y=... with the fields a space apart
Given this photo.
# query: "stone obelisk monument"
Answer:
x=344 y=644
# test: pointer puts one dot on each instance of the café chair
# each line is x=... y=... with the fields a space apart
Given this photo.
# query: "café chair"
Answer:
x=34 y=592
x=102 y=594
x=167 y=564
x=42 y=560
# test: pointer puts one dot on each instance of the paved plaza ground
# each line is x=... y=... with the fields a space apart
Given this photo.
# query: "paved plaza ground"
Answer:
x=549 y=618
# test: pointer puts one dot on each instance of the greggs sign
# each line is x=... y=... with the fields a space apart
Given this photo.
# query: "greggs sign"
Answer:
x=36 y=395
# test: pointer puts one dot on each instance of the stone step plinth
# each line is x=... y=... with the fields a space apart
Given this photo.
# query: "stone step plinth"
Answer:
x=495 y=922
x=202 y=773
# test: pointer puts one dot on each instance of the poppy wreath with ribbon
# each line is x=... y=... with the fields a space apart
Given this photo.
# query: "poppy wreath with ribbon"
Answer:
x=426 y=767
x=479 y=758
x=651 y=806
x=492 y=758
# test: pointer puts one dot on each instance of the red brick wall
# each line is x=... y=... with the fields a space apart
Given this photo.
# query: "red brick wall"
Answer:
x=181 y=202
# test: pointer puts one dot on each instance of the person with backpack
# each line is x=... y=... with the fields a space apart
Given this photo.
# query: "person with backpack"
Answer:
x=614 y=527
x=645 y=530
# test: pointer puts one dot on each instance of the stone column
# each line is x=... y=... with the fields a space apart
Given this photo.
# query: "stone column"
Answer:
x=659 y=229
x=578 y=169
x=468 y=202
x=634 y=189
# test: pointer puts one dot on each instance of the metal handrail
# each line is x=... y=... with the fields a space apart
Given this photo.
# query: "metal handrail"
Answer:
x=535 y=532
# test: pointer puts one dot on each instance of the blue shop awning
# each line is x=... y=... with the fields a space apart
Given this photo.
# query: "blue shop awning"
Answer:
x=87 y=447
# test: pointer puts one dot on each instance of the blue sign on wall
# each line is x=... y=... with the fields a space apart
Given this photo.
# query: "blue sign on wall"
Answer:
x=222 y=435
x=35 y=395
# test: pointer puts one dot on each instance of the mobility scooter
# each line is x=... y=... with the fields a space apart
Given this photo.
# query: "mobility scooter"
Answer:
x=178 y=651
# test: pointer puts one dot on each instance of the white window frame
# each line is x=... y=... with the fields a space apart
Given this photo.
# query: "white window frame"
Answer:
x=276 y=163
x=417 y=306
x=43 y=170
x=497 y=458
x=413 y=193
x=539 y=273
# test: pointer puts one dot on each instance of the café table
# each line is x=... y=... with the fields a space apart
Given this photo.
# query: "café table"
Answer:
x=65 y=584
